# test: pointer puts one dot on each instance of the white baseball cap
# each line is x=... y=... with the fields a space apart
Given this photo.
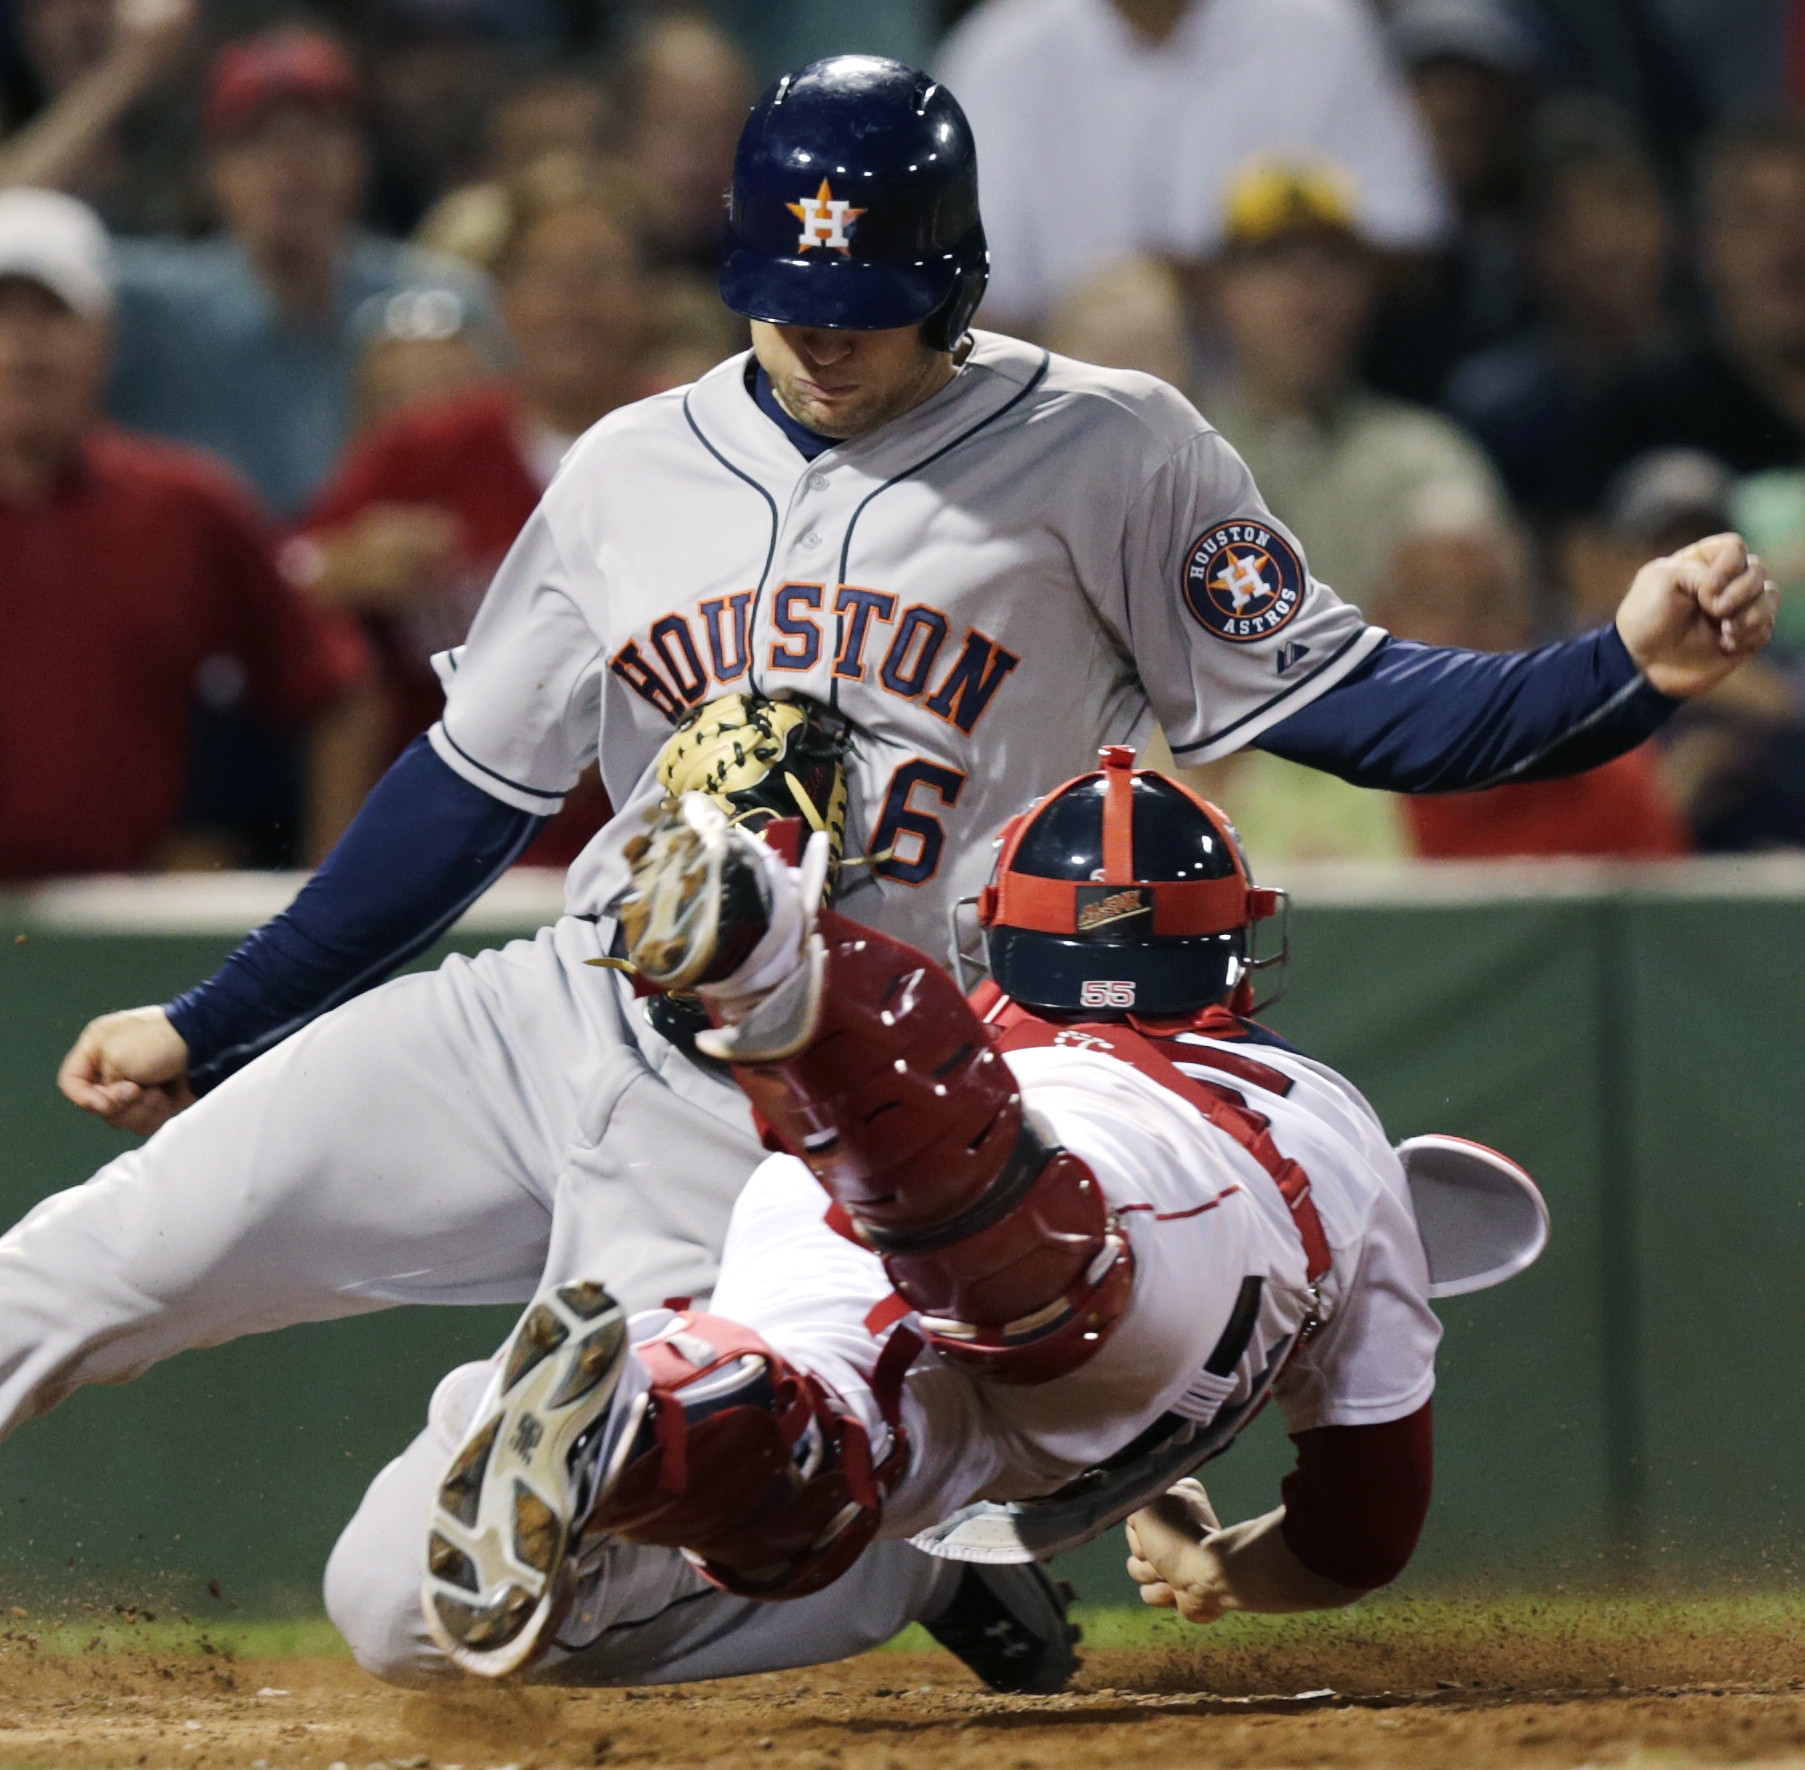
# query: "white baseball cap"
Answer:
x=55 y=241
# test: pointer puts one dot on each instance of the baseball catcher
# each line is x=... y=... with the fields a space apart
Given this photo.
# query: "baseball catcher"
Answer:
x=1026 y=1260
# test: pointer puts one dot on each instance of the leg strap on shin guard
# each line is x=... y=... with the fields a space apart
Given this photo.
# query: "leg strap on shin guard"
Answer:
x=911 y=1121
x=743 y=1462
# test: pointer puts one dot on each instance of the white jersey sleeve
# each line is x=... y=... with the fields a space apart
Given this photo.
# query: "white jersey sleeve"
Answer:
x=1375 y=1359
x=1229 y=631
x=522 y=694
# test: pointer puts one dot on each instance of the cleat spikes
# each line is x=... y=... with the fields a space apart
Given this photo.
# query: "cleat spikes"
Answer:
x=449 y=1563
x=594 y=1359
x=500 y=1569
x=538 y=1540
x=696 y=906
x=460 y=1492
x=484 y=1627
x=540 y=1335
x=587 y=1299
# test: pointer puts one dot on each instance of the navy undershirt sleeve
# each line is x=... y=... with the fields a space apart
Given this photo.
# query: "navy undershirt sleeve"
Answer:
x=424 y=847
x=1433 y=719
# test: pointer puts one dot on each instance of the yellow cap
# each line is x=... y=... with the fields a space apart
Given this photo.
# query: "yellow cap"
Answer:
x=1268 y=199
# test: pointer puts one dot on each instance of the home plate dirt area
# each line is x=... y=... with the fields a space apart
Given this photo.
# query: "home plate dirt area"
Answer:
x=1470 y=1684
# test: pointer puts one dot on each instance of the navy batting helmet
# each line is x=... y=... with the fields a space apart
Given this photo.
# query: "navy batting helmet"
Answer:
x=855 y=204
x=1123 y=892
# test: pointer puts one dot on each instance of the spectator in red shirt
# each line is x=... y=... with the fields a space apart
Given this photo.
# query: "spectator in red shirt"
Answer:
x=1447 y=590
x=416 y=519
x=1619 y=811
x=131 y=567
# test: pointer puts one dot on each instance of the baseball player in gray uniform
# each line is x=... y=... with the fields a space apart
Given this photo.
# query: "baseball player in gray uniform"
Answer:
x=962 y=564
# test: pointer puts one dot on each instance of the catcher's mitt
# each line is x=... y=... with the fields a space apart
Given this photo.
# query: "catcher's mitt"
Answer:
x=760 y=760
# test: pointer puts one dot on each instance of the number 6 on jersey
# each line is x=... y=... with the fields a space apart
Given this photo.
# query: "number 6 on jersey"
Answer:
x=900 y=819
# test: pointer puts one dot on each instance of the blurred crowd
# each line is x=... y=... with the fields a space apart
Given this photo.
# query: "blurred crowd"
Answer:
x=300 y=308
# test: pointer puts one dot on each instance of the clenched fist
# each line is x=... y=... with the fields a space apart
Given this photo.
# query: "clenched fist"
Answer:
x=1183 y=1559
x=129 y=1068
x=1167 y=1558
x=1691 y=618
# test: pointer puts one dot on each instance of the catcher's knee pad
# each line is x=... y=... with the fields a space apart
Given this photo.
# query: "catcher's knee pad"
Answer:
x=742 y=1462
x=912 y=1122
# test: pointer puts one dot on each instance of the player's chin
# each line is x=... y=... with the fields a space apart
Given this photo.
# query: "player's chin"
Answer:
x=840 y=419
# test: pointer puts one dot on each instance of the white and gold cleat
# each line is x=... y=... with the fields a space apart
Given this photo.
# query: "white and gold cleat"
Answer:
x=714 y=914
x=506 y=1516
x=697 y=906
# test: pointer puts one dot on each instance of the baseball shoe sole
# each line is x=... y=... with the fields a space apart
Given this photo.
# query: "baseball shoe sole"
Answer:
x=507 y=1512
x=696 y=908
x=1008 y=1623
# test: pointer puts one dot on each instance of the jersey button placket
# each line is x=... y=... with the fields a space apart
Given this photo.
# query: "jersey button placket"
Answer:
x=806 y=564
x=810 y=537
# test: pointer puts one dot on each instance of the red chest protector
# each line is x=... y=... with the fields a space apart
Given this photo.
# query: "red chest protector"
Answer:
x=1016 y=1028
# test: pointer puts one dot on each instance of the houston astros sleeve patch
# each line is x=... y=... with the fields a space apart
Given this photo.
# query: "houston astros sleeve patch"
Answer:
x=1243 y=581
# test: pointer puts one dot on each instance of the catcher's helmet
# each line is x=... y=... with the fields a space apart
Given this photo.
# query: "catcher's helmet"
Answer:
x=855 y=204
x=1123 y=892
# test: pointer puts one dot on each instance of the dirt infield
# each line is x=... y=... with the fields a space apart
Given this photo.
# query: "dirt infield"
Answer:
x=1472 y=1687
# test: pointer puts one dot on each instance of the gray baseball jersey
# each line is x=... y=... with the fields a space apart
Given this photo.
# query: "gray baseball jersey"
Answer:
x=1043 y=558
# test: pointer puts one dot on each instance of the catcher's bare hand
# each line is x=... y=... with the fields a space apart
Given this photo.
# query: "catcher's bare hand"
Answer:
x=1168 y=1559
x=1691 y=618
x=129 y=1068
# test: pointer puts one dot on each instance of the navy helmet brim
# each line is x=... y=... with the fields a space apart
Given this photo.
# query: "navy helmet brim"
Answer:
x=840 y=294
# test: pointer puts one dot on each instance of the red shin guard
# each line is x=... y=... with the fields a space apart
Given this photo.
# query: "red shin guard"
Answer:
x=912 y=1123
x=742 y=1461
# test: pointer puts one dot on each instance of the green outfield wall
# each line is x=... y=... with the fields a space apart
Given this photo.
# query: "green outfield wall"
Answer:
x=1631 y=1409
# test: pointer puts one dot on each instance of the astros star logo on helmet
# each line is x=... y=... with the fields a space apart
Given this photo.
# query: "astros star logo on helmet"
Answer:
x=1243 y=581
x=825 y=220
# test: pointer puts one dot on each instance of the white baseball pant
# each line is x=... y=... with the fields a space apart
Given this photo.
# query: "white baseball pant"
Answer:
x=459 y=1136
x=645 y=1616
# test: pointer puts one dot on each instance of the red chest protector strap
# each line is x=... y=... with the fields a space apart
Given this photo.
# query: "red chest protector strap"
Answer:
x=1224 y=1107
